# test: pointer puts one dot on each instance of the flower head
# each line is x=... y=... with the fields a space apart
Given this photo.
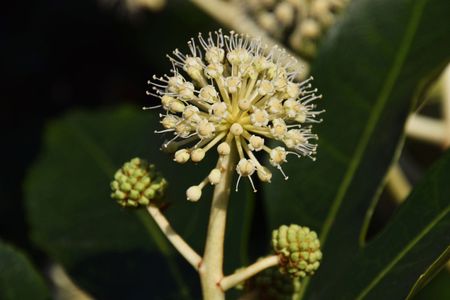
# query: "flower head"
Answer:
x=231 y=92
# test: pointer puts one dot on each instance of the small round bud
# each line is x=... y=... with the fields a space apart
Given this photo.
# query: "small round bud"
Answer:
x=197 y=155
x=186 y=91
x=265 y=88
x=169 y=121
x=244 y=104
x=214 y=176
x=166 y=101
x=236 y=129
x=277 y=156
x=285 y=13
x=214 y=70
x=219 y=110
x=233 y=83
x=181 y=156
x=274 y=106
x=223 y=149
x=176 y=106
x=298 y=248
x=256 y=143
x=137 y=183
x=310 y=29
x=205 y=129
x=259 y=117
x=214 y=55
x=208 y=93
x=278 y=128
x=194 y=193
x=245 y=167
x=264 y=174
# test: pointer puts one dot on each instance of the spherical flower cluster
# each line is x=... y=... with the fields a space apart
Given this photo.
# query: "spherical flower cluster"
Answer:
x=231 y=93
x=273 y=285
x=301 y=22
x=137 y=183
x=298 y=248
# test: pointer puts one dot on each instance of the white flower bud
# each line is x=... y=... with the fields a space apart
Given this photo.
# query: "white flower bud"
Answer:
x=169 y=121
x=265 y=88
x=214 y=55
x=233 y=83
x=197 y=155
x=244 y=104
x=205 y=129
x=256 y=143
x=182 y=129
x=176 y=106
x=194 y=67
x=214 y=70
x=278 y=128
x=190 y=112
x=264 y=174
x=277 y=156
x=259 y=117
x=181 y=156
x=194 y=193
x=274 y=106
x=214 y=176
x=236 y=129
x=293 y=138
x=174 y=83
x=223 y=149
x=186 y=91
x=310 y=29
x=208 y=93
x=245 y=167
x=166 y=100
x=292 y=90
x=219 y=110
x=285 y=13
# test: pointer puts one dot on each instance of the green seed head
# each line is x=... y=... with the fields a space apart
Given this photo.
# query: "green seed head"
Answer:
x=298 y=248
x=137 y=184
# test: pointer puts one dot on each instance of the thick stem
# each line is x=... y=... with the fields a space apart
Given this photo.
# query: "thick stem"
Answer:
x=185 y=250
x=211 y=269
x=262 y=264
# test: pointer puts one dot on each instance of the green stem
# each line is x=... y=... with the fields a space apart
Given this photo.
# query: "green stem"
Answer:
x=211 y=268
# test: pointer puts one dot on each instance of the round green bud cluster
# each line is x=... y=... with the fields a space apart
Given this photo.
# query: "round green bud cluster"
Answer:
x=272 y=285
x=298 y=248
x=137 y=183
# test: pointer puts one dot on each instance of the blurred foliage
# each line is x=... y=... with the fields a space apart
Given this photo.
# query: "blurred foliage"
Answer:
x=18 y=278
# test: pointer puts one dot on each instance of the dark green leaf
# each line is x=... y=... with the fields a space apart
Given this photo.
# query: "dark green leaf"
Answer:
x=115 y=253
x=371 y=68
x=18 y=278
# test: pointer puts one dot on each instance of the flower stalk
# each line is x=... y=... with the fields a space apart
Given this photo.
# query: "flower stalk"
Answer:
x=248 y=272
x=211 y=268
x=177 y=241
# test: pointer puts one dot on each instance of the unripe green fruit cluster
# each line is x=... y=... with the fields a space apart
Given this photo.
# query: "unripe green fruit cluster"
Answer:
x=298 y=248
x=137 y=183
x=276 y=286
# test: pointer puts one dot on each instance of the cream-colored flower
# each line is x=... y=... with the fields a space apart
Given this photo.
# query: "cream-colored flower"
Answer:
x=230 y=91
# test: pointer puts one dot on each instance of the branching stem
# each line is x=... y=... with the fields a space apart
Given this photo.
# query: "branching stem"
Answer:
x=211 y=268
x=242 y=275
x=185 y=250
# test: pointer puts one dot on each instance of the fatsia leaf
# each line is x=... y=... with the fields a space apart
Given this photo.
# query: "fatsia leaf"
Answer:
x=371 y=69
